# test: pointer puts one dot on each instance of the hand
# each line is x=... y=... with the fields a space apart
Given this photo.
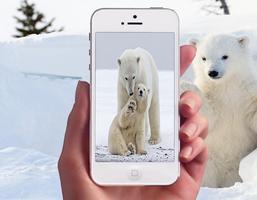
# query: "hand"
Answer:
x=74 y=161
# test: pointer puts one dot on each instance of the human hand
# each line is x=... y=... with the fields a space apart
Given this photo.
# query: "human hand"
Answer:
x=73 y=164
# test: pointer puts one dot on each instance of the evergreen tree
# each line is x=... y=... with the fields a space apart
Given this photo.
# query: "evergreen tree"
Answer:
x=33 y=21
x=216 y=7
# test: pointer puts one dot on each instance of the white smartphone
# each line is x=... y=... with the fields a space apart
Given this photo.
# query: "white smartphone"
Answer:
x=134 y=96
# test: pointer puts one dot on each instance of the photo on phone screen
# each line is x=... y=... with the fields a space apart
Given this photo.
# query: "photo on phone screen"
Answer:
x=135 y=97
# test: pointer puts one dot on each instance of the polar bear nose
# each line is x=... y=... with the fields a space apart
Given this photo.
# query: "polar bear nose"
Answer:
x=131 y=93
x=213 y=74
x=141 y=92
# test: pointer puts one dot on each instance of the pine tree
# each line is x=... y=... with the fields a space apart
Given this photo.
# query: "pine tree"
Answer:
x=34 y=21
x=216 y=7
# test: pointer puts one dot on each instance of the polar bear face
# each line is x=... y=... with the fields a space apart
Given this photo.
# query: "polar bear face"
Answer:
x=220 y=56
x=128 y=70
x=141 y=92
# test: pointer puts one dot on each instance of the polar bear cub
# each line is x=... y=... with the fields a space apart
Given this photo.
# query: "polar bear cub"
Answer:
x=225 y=80
x=138 y=66
x=127 y=131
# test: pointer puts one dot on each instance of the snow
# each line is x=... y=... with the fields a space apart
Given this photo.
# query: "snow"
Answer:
x=34 y=107
x=34 y=110
x=248 y=166
x=155 y=153
x=28 y=174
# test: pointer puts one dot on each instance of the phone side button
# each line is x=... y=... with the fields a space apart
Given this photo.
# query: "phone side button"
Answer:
x=89 y=67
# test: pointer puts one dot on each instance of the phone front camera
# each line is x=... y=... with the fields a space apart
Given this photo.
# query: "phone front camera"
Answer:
x=122 y=23
x=134 y=16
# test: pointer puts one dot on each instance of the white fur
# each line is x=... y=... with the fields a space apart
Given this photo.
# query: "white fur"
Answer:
x=127 y=132
x=138 y=66
x=230 y=104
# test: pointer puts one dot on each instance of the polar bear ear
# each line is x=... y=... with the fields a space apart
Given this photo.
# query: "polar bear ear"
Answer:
x=194 y=42
x=119 y=61
x=148 y=91
x=138 y=59
x=243 y=41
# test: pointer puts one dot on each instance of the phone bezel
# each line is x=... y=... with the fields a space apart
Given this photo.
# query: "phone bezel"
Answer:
x=154 y=20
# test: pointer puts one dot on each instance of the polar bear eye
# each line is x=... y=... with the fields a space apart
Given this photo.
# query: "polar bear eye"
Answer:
x=204 y=58
x=126 y=78
x=225 y=57
x=134 y=77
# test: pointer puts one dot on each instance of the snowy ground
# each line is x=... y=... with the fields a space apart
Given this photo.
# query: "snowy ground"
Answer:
x=31 y=175
x=34 y=109
x=155 y=153
x=28 y=174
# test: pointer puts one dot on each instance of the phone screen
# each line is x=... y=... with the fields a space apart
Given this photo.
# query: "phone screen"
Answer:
x=135 y=97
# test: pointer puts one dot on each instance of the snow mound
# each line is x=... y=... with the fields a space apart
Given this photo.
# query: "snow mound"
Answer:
x=28 y=174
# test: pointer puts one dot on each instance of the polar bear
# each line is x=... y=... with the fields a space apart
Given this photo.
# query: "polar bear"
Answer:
x=138 y=66
x=225 y=79
x=127 y=131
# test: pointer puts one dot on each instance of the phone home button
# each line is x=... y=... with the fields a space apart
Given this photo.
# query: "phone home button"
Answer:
x=134 y=174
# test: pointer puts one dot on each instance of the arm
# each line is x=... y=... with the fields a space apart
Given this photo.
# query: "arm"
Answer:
x=124 y=117
x=74 y=160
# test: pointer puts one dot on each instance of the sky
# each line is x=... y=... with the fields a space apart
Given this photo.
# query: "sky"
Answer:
x=74 y=15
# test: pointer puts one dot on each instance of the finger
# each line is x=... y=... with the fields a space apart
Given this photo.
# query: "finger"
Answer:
x=187 y=54
x=196 y=168
x=192 y=164
x=194 y=127
x=77 y=132
x=190 y=104
x=191 y=150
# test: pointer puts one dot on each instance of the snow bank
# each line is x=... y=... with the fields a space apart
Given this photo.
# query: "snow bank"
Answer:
x=55 y=53
x=34 y=108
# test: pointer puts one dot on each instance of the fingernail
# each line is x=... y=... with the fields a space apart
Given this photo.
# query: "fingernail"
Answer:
x=190 y=129
x=190 y=103
x=187 y=152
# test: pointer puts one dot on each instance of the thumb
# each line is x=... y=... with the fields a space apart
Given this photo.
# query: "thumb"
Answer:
x=76 y=142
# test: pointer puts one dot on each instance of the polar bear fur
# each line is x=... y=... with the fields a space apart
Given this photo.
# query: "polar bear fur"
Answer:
x=127 y=131
x=225 y=80
x=138 y=66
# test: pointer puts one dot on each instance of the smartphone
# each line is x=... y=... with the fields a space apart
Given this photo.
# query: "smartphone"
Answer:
x=134 y=96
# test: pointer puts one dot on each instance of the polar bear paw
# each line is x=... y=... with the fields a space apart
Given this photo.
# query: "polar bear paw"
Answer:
x=131 y=107
x=142 y=152
x=188 y=86
x=153 y=141
x=126 y=153
x=132 y=148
